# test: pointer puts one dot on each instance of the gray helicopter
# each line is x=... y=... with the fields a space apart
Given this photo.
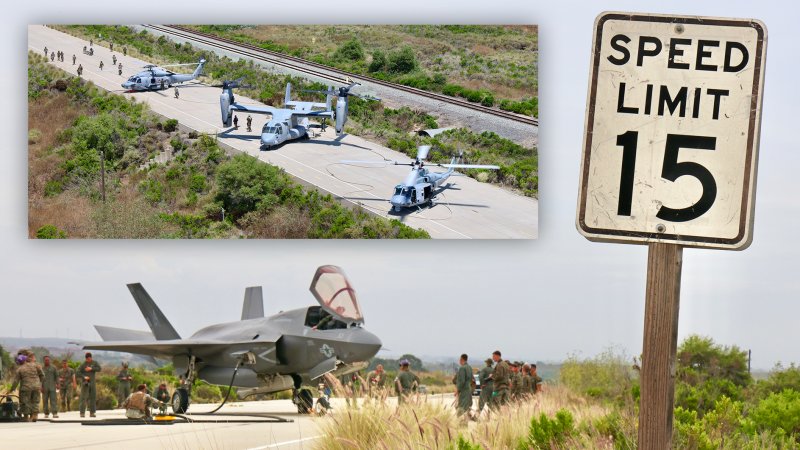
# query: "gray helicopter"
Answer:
x=419 y=186
x=258 y=354
x=155 y=78
x=291 y=121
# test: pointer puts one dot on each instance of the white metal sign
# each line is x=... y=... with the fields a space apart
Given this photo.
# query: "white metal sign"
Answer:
x=672 y=129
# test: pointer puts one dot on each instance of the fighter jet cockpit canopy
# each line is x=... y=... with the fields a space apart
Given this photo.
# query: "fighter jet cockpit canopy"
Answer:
x=334 y=293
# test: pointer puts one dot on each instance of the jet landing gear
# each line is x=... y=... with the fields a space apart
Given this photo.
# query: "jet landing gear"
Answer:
x=302 y=397
x=181 y=398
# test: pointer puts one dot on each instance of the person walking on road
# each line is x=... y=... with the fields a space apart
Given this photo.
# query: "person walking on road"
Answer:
x=73 y=59
x=249 y=122
x=101 y=65
x=177 y=94
x=406 y=382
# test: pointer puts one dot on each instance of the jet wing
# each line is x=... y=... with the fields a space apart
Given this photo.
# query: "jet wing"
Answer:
x=176 y=347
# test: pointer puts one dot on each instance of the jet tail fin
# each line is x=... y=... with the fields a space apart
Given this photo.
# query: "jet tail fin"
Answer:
x=253 y=307
x=158 y=323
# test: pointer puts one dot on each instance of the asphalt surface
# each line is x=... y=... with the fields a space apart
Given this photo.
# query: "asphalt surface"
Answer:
x=298 y=432
x=466 y=209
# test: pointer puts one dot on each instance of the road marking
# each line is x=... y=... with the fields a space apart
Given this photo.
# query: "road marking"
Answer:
x=296 y=441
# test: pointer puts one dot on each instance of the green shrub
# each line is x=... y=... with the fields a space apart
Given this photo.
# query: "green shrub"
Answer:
x=778 y=412
x=402 y=61
x=546 y=433
x=50 y=232
x=170 y=125
x=350 y=50
x=379 y=62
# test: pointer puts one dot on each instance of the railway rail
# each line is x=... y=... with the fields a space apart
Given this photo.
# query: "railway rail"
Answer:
x=325 y=72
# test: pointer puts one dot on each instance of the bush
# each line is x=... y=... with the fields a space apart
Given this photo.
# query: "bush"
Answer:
x=778 y=412
x=550 y=433
x=170 y=125
x=350 y=50
x=50 y=232
x=402 y=61
x=378 y=63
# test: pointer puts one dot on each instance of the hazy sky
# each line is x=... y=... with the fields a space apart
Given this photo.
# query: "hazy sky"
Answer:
x=539 y=299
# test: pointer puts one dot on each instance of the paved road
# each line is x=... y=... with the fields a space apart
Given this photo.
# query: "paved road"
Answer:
x=468 y=209
x=300 y=433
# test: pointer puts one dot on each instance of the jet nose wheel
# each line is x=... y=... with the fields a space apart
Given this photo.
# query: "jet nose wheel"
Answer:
x=180 y=401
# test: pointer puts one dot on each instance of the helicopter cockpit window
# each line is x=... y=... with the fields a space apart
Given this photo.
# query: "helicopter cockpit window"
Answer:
x=398 y=190
x=138 y=80
x=319 y=319
x=335 y=294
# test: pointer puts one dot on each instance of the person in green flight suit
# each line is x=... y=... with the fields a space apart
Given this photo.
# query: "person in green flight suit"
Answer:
x=500 y=378
x=485 y=377
x=406 y=382
x=49 y=388
x=66 y=384
x=124 y=384
x=463 y=381
x=86 y=372
x=536 y=381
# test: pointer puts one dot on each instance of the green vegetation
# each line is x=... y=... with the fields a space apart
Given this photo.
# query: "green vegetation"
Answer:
x=479 y=63
x=199 y=192
x=717 y=402
x=519 y=165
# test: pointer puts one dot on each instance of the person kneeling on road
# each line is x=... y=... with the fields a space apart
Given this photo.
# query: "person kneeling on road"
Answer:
x=137 y=405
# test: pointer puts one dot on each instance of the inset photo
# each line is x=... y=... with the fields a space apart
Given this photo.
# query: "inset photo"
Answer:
x=283 y=132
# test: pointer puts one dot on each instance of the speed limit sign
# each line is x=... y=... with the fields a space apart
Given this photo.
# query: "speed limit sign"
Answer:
x=672 y=128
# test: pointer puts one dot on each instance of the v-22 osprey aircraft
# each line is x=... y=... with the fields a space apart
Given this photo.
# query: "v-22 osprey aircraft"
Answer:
x=258 y=354
x=291 y=121
x=155 y=78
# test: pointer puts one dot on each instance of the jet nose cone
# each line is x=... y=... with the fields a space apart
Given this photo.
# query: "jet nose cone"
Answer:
x=370 y=345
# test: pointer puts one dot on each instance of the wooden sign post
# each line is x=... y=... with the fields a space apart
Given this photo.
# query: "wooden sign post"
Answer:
x=669 y=159
x=659 y=360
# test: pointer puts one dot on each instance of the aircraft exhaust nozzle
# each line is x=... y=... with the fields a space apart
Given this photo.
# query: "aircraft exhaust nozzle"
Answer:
x=341 y=114
x=225 y=108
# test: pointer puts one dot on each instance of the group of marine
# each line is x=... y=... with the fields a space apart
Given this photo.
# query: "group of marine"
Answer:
x=500 y=382
x=54 y=387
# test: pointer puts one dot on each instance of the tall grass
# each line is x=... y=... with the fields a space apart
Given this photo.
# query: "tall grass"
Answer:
x=431 y=422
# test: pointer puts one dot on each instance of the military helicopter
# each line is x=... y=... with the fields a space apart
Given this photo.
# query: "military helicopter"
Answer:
x=291 y=121
x=258 y=354
x=155 y=78
x=419 y=186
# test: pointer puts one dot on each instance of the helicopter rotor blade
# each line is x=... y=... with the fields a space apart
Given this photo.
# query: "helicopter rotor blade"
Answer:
x=382 y=163
x=422 y=152
x=469 y=166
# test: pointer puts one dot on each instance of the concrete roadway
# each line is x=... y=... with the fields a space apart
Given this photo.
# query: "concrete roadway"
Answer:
x=468 y=209
x=300 y=433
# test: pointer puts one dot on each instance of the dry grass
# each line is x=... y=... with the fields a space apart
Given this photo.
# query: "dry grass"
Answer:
x=431 y=422
x=437 y=49
x=283 y=222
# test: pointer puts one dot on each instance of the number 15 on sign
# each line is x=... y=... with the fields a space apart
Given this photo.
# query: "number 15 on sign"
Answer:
x=672 y=130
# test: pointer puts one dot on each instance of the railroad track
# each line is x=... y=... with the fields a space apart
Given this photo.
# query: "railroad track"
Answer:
x=326 y=72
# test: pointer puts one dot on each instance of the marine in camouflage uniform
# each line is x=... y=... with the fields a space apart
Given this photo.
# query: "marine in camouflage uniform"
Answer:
x=500 y=380
x=376 y=382
x=526 y=380
x=485 y=377
x=66 y=384
x=406 y=382
x=50 y=388
x=516 y=381
x=124 y=384
x=463 y=381
x=86 y=373
x=536 y=380
x=29 y=378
